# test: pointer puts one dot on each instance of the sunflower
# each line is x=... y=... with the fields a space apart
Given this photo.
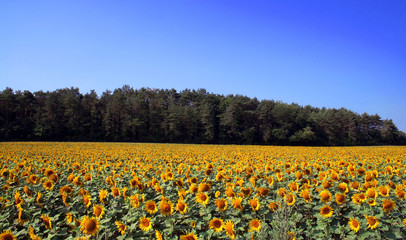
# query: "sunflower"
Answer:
x=202 y=198
x=282 y=192
x=291 y=236
x=158 y=235
x=89 y=225
x=273 y=206
x=355 y=185
x=69 y=218
x=326 y=211
x=325 y=196
x=28 y=192
x=246 y=191
x=230 y=192
x=354 y=224
x=221 y=204
x=193 y=188
x=54 y=178
x=150 y=207
x=400 y=193
x=38 y=199
x=102 y=195
x=47 y=221
x=327 y=184
x=217 y=194
x=145 y=224
x=115 y=191
x=263 y=192
x=181 y=207
x=166 y=207
x=33 y=179
x=343 y=187
x=217 y=224
x=362 y=197
x=255 y=225
x=135 y=201
x=384 y=191
x=124 y=190
x=48 y=185
x=189 y=236
x=373 y=222
x=48 y=172
x=87 y=200
x=388 y=205
x=65 y=190
x=229 y=227
x=290 y=199
x=134 y=182
x=270 y=181
x=204 y=187
x=371 y=202
x=121 y=227
x=293 y=186
x=7 y=235
x=372 y=193
x=17 y=199
x=32 y=234
x=356 y=199
x=305 y=194
x=340 y=198
x=98 y=210
x=237 y=203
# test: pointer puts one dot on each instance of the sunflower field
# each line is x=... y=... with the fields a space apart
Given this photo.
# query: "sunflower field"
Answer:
x=172 y=191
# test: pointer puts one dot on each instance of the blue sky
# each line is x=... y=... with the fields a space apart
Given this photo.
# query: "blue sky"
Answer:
x=335 y=54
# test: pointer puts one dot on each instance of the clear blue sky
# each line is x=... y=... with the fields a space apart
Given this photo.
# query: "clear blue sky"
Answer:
x=340 y=53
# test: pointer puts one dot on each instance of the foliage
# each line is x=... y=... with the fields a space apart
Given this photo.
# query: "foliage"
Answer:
x=189 y=116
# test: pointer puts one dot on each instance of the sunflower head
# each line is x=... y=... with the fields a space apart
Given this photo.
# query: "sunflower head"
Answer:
x=326 y=211
x=47 y=221
x=48 y=185
x=7 y=235
x=229 y=227
x=204 y=187
x=388 y=205
x=293 y=186
x=305 y=194
x=237 y=203
x=372 y=193
x=384 y=191
x=89 y=225
x=145 y=224
x=166 y=207
x=202 y=198
x=273 y=206
x=150 y=207
x=255 y=225
x=325 y=196
x=217 y=224
x=340 y=198
x=221 y=204
x=372 y=221
x=98 y=210
x=189 y=236
x=181 y=207
x=121 y=227
x=354 y=224
x=290 y=199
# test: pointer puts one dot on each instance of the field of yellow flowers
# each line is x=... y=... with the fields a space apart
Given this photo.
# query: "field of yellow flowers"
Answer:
x=168 y=191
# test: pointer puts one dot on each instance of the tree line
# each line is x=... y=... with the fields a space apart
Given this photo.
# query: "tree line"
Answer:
x=188 y=116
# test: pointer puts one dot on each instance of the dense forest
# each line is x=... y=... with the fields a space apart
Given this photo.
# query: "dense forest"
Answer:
x=189 y=116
